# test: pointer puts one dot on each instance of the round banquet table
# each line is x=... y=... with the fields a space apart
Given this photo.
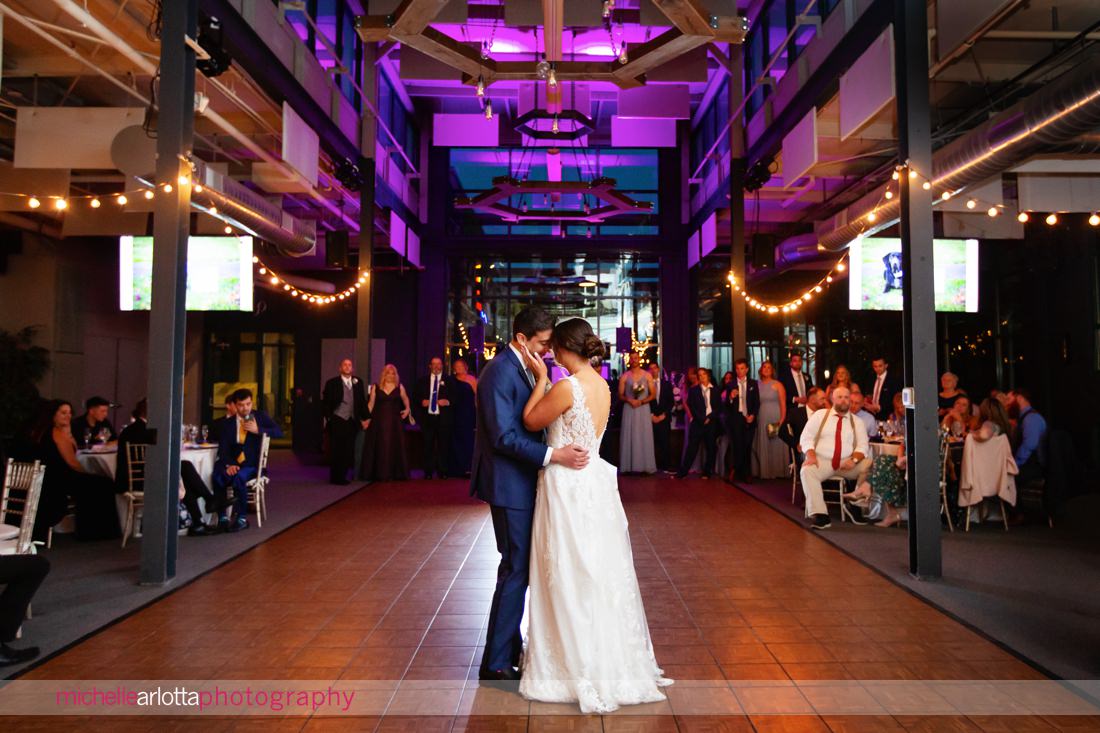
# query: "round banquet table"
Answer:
x=104 y=462
x=885 y=449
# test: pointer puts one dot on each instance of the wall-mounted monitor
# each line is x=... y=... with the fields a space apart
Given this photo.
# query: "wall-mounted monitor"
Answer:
x=219 y=273
x=876 y=275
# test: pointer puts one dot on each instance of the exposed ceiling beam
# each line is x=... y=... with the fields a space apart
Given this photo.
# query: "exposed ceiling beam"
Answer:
x=656 y=52
x=414 y=16
x=553 y=18
x=443 y=48
x=688 y=16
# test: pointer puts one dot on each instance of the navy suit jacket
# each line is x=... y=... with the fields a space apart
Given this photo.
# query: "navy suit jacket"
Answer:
x=507 y=456
x=664 y=404
x=752 y=401
x=890 y=387
x=229 y=449
x=698 y=405
x=787 y=380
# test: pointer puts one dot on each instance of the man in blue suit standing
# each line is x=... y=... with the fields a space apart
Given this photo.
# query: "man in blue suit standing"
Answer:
x=239 y=441
x=507 y=459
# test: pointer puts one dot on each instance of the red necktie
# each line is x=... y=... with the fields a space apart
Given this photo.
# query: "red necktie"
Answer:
x=836 y=443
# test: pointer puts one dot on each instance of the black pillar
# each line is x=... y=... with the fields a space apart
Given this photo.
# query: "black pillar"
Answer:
x=366 y=263
x=919 y=313
x=738 y=309
x=168 y=318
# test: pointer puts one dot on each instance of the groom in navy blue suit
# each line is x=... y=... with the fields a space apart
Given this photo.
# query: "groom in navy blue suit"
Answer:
x=507 y=459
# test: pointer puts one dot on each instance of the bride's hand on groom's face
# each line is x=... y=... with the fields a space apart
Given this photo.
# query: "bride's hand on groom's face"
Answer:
x=571 y=456
x=534 y=363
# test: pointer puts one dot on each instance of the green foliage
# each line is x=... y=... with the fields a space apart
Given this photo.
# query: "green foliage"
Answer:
x=22 y=364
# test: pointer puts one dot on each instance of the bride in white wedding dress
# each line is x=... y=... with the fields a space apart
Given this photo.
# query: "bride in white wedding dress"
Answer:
x=588 y=641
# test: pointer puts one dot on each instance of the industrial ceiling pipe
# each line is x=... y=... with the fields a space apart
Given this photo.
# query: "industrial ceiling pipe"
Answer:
x=1059 y=113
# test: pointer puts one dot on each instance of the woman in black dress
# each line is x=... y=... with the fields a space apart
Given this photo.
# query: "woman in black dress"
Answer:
x=65 y=478
x=384 y=447
x=464 y=409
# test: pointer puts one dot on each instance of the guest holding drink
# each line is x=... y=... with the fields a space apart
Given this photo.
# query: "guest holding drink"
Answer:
x=384 y=449
x=636 y=390
x=769 y=455
x=895 y=424
x=93 y=426
x=464 y=409
x=960 y=419
x=65 y=478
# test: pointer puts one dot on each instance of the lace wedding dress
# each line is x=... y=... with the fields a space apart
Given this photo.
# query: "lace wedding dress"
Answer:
x=588 y=641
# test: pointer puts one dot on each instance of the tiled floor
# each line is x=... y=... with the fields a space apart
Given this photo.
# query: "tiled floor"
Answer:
x=394 y=584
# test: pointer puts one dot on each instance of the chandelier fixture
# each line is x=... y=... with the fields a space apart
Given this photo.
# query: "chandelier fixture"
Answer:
x=496 y=200
x=579 y=124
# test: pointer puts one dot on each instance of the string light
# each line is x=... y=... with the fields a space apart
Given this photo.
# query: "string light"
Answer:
x=927 y=185
x=183 y=180
x=265 y=271
x=60 y=204
x=168 y=188
x=1022 y=217
x=121 y=199
x=148 y=193
x=993 y=211
x=1094 y=220
x=95 y=204
x=34 y=203
x=792 y=305
x=1052 y=219
x=971 y=203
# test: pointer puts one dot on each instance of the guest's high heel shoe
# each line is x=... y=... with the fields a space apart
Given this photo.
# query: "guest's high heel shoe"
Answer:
x=892 y=518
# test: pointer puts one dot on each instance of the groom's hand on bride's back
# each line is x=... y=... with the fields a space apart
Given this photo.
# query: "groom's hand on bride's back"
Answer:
x=571 y=456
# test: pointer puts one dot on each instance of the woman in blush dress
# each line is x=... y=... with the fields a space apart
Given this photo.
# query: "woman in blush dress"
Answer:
x=384 y=448
x=841 y=378
x=464 y=412
x=770 y=455
x=636 y=453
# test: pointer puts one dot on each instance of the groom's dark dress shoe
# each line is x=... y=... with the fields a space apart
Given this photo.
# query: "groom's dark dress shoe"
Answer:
x=499 y=675
x=11 y=655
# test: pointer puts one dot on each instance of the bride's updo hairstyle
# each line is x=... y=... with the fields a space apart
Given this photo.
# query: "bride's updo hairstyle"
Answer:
x=575 y=335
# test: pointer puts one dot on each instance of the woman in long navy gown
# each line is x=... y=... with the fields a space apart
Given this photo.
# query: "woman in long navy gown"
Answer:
x=464 y=410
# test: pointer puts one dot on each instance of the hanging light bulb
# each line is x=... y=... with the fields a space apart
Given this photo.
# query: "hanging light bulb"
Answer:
x=607 y=8
x=95 y=204
x=488 y=109
x=523 y=206
x=60 y=204
x=554 y=127
x=945 y=195
x=992 y=211
x=149 y=193
x=927 y=185
x=912 y=174
x=623 y=58
x=1052 y=219
x=228 y=229
x=34 y=203
x=971 y=204
x=121 y=199
x=484 y=50
x=480 y=85
x=1022 y=217
x=895 y=176
x=563 y=232
x=588 y=232
x=197 y=188
x=168 y=188
x=1094 y=220
x=587 y=209
x=552 y=78
x=889 y=195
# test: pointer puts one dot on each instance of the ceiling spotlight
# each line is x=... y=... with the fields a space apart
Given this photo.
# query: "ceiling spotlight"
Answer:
x=210 y=38
x=95 y=204
x=971 y=204
x=1052 y=219
x=992 y=211
x=1094 y=220
x=349 y=174
x=1022 y=217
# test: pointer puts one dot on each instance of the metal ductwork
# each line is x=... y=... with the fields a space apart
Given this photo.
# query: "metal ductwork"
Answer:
x=798 y=250
x=1058 y=114
x=250 y=211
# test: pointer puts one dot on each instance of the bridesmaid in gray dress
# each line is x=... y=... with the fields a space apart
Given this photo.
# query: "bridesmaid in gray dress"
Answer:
x=770 y=455
x=636 y=436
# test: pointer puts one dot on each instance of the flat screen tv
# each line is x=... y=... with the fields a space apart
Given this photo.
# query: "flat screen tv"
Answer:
x=876 y=276
x=219 y=273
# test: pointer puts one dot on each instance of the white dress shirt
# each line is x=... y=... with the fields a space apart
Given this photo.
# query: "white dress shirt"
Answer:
x=799 y=382
x=706 y=398
x=879 y=381
x=849 y=443
x=347 y=381
x=531 y=382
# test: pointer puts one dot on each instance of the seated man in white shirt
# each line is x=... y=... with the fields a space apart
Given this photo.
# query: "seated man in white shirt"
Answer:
x=835 y=445
x=860 y=413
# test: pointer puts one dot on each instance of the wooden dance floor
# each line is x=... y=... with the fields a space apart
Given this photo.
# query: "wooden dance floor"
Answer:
x=388 y=591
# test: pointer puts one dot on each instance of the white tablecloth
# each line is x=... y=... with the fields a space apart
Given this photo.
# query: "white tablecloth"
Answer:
x=106 y=463
x=885 y=449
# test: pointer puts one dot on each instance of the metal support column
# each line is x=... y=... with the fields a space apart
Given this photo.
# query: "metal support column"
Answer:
x=168 y=319
x=366 y=217
x=737 y=202
x=919 y=313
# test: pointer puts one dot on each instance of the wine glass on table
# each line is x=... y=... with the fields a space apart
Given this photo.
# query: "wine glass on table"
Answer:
x=205 y=434
x=87 y=437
